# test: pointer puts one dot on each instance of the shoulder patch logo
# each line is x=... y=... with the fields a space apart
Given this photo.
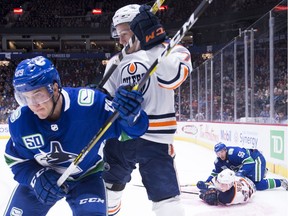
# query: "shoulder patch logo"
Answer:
x=86 y=97
x=230 y=151
x=15 y=114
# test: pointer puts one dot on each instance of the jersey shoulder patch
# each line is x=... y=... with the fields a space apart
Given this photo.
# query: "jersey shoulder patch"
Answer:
x=230 y=151
x=15 y=115
x=86 y=97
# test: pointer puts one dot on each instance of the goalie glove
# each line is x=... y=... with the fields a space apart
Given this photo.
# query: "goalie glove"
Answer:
x=209 y=196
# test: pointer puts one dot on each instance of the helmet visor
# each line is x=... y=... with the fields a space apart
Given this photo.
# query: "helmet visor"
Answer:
x=113 y=31
x=33 y=98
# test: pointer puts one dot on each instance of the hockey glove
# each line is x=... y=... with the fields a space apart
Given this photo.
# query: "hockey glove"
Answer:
x=202 y=185
x=209 y=179
x=44 y=184
x=209 y=196
x=128 y=104
x=146 y=26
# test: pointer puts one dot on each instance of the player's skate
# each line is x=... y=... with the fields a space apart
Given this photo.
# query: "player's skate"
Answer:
x=284 y=184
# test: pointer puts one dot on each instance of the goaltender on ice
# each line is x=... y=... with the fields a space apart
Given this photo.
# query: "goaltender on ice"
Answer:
x=49 y=130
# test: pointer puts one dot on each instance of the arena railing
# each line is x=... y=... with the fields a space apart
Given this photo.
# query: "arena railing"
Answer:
x=245 y=81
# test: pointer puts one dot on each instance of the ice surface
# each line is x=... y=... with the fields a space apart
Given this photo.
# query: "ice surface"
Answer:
x=193 y=163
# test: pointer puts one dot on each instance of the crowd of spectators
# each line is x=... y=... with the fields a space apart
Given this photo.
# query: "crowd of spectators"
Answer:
x=84 y=72
x=87 y=72
x=78 y=13
x=258 y=91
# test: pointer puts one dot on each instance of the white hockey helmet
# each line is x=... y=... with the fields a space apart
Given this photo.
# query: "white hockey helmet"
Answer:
x=125 y=14
x=225 y=180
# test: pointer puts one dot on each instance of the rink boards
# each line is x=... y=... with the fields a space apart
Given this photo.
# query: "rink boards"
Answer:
x=271 y=140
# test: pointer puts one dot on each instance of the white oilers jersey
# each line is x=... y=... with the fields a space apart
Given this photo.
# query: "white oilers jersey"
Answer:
x=158 y=92
x=244 y=190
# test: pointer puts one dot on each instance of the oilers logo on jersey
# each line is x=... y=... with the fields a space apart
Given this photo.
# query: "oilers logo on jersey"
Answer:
x=133 y=72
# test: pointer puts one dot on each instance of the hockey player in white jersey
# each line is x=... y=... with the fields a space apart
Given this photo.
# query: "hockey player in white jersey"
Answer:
x=153 y=152
x=228 y=189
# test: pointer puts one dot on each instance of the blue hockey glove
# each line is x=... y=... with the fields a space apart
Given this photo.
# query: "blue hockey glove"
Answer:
x=209 y=179
x=202 y=185
x=44 y=184
x=128 y=104
x=210 y=196
x=146 y=26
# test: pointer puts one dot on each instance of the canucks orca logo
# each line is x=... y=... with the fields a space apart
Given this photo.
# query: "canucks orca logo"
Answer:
x=56 y=156
x=133 y=72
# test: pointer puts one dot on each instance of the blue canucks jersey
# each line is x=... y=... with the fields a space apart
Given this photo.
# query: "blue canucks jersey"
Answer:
x=37 y=143
x=237 y=158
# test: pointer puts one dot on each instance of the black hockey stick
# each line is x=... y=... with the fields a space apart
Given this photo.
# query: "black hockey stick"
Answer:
x=124 y=51
x=182 y=191
x=175 y=40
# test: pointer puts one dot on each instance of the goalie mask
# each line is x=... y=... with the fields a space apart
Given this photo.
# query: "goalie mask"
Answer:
x=32 y=74
x=225 y=180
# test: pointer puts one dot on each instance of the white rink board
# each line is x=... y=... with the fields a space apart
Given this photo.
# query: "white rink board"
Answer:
x=271 y=140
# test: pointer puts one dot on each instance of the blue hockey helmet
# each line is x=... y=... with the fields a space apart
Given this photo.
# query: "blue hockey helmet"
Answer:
x=33 y=74
x=219 y=146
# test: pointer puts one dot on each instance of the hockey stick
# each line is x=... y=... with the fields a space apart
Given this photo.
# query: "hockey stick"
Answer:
x=188 y=185
x=190 y=192
x=193 y=185
x=182 y=191
x=176 y=39
x=185 y=185
x=124 y=51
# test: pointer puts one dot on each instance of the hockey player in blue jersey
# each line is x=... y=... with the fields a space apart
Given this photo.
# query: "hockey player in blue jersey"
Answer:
x=48 y=131
x=246 y=162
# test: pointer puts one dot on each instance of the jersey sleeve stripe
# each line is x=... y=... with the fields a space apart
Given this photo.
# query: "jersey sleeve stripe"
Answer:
x=177 y=81
x=161 y=124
